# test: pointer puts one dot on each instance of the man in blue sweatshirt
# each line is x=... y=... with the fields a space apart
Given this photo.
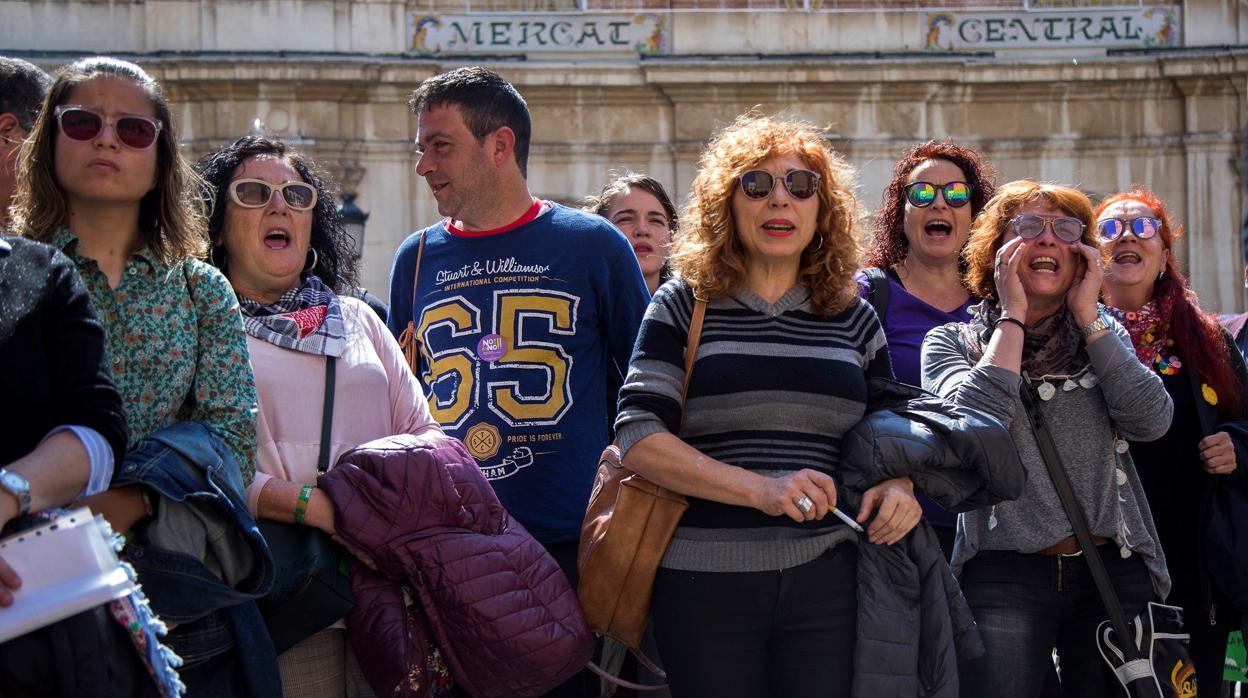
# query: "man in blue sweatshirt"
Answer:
x=522 y=308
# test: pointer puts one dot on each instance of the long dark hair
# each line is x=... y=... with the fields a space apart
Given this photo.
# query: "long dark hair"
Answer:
x=171 y=220
x=888 y=244
x=335 y=250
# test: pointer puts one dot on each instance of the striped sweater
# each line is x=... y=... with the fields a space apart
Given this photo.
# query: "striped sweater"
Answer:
x=774 y=389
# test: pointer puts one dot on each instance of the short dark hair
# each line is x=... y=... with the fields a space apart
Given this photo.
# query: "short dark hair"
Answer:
x=335 y=250
x=889 y=244
x=22 y=89
x=486 y=102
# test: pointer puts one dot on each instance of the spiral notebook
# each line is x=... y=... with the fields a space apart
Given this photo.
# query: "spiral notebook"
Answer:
x=66 y=567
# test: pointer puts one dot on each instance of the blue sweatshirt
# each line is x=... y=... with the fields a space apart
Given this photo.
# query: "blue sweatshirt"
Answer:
x=519 y=332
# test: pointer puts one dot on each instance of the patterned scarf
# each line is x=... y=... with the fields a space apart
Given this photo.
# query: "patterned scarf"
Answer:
x=1149 y=328
x=307 y=319
x=1052 y=347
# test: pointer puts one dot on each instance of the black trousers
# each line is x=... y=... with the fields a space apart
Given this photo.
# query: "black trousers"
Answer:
x=755 y=634
x=585 y=684
x=1025 y=605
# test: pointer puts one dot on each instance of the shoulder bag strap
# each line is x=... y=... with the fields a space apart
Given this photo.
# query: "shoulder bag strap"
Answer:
x=409 y=341
x=327 y=416
x=691 y=349
x=691 y=345
x=420 y=252
x=1053 y=463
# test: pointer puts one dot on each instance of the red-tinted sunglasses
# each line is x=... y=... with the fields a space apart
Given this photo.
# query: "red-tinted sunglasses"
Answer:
x=82 y=124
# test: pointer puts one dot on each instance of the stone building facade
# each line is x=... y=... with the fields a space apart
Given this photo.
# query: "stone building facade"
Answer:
x=1096 y=93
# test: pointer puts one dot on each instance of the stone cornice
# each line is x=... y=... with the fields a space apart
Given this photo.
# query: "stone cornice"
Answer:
x=355 y=78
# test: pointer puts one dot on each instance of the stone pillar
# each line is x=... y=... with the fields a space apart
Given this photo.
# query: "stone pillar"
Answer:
x=1214 y=193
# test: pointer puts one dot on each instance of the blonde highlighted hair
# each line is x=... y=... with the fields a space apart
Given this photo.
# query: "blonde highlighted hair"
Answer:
x=989 y=231
x=171 y=216
x=709 y=255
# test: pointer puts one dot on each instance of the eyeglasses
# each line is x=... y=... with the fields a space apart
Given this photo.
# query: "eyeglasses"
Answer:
x=801 y=184
x=256 y=193
x=1143 y=227
x=1030 y=225
x=82 y=124
x=923 y=194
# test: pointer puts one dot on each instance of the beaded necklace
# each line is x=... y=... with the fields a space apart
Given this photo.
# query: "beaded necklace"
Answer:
x=1149 y=328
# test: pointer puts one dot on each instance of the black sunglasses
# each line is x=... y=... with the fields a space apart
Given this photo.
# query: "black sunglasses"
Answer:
x=801 y=184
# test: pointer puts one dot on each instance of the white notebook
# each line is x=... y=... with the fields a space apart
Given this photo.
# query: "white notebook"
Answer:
x=66 y=567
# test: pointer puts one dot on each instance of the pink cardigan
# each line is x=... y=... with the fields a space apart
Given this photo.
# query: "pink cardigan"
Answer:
x=375 y=395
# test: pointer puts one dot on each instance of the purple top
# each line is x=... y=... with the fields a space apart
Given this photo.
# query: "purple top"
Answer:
x=909 y=319
x=907 y=322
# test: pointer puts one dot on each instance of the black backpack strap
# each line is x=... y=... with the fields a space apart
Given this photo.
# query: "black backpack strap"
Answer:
x=327 y=416
x=880 y=291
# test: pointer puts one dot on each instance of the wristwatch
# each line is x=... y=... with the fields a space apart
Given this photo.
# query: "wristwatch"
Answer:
x=17 y=486
x=1100 y=323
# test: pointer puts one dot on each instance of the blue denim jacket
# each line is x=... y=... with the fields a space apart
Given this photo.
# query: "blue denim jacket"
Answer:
x=190 y=466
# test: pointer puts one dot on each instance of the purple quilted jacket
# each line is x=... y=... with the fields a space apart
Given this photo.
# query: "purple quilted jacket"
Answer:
x=499 y=608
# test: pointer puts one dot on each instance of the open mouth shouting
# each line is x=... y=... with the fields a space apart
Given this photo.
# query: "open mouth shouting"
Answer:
x=779 y=227
x=277 y=239
x=643 y=249
x=1044 y=264
x=1127 y=257
x=938 y=229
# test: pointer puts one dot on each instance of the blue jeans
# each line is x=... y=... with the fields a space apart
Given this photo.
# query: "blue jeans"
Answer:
x=754 y=634
x=1028 y=604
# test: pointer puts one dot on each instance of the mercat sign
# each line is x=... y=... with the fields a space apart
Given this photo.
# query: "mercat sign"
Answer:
x=1134 y=28
x=535 y=33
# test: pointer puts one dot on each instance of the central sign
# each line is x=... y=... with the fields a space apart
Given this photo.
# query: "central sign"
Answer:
x=1131 y=28
x=533 y=33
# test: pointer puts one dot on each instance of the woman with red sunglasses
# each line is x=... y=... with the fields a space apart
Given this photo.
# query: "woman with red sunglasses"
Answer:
x=913 y=274
x=1204 y=374
x=102 y=179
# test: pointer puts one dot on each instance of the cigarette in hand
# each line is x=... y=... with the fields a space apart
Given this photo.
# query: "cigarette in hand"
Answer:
x=850 y=522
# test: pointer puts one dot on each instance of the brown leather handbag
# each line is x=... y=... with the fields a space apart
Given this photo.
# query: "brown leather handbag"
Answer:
x=627 y=527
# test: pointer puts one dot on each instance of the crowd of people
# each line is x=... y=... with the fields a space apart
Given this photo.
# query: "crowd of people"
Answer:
x=869 y=510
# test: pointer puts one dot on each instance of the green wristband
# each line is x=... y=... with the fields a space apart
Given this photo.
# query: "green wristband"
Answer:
x=301 y=506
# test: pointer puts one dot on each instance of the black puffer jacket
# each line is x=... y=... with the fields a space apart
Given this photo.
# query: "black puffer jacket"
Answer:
x=913 y=623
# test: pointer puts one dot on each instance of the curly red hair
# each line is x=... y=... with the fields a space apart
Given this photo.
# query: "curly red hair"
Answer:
x=988 y=232
x=1198 y=338
x=707 y=252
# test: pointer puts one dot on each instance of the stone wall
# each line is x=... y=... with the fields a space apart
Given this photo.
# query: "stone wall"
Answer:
x=331 y=76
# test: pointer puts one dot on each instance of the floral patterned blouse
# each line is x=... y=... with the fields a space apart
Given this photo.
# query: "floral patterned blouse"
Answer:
x=176 y=346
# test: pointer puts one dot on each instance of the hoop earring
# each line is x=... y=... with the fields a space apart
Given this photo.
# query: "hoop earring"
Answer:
x=308 y=269
x=1161 y=273
x=820 y=245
